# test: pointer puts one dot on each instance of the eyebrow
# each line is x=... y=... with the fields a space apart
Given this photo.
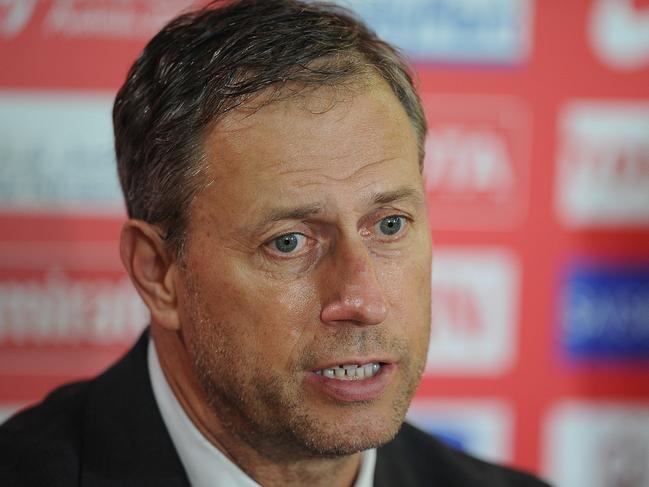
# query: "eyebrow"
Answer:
x=310 y=210
x=288 y=213
x=292 y=213
x=399 y=194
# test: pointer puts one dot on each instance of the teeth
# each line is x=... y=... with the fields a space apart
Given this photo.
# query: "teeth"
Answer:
x=351 y=371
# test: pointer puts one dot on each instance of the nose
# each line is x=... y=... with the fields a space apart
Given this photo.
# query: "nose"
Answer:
x=352 y=292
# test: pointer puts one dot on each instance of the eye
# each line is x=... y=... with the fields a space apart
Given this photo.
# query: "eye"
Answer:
x=289 y=242
x=391 y=225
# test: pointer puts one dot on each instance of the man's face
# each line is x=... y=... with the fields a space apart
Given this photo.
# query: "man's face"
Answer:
x=310 y=250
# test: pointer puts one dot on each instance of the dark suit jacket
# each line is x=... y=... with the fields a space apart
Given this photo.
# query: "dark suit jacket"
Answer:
x=109 y=432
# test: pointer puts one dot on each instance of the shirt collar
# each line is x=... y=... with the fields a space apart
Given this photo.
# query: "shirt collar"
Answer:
x=203 y=462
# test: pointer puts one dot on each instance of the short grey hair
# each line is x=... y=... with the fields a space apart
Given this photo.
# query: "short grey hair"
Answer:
x=207 y=62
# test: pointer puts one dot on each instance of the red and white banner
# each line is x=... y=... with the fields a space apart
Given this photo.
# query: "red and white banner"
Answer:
x=537 y=179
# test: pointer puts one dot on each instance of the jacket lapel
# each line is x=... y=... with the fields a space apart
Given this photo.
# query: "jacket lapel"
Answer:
x=125 y=441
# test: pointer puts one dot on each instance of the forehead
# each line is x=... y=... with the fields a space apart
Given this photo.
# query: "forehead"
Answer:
x=322 y=144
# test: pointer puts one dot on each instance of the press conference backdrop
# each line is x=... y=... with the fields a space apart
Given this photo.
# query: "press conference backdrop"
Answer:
x=537 y=169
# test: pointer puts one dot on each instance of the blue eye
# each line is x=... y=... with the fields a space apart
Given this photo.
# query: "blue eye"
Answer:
x=287 y=243
x=391 y=225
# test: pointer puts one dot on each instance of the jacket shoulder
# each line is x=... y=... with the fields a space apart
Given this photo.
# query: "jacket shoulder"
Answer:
x=106 y=431
x=415 y=458
x=41 y=445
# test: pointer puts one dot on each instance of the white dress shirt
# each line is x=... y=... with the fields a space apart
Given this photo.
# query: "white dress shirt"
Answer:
x=206 y=465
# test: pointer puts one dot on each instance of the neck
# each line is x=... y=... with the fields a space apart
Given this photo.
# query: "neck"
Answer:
x=293 y=470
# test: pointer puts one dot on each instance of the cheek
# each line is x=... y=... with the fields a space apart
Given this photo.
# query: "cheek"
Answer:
x=289 y=315
x=407 y=282
x=270 y=319
x=407 y=290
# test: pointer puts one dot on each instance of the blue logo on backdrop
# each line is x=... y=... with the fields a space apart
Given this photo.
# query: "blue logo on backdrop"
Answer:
x=446 y=430
x=605 y=312
x=453 y=438
x=452 y=31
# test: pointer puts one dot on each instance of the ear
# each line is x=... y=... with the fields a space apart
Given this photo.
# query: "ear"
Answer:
x=152 y=269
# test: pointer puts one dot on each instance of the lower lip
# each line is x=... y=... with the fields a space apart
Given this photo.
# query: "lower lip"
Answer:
x=354 y=390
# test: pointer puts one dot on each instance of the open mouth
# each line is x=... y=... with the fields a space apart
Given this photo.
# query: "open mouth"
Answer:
x=353 y=382
x=351 y=371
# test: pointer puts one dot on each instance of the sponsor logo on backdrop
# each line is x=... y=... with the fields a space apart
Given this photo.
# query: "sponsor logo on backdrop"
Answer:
x=117 y=19
x=603 y=164
x=477 y=161
x=66 y=294
x=61 y=309
x=599 y=445
x=475 y=307
x=14 y=16
x=619 y=33
x=605 y=311
x=57 y=153
x=453 y=31
x=480 y=427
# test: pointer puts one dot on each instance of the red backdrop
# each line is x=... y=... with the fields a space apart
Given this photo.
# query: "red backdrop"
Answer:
x=537 y=175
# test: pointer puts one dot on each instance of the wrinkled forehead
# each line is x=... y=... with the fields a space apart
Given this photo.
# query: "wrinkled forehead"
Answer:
x=313 y=129
x=329 y=148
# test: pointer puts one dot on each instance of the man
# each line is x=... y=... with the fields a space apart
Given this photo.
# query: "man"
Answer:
x=270 y=155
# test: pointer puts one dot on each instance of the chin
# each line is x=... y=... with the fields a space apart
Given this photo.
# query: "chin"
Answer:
x=351 y=442
x=351 y=432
